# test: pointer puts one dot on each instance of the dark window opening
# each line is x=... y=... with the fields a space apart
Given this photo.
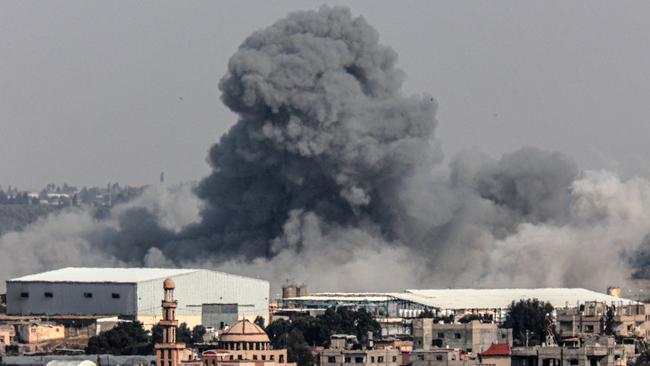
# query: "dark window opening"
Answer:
x=49 y=295
x=88 y=295
x=441 y=335
x=24 y=294
x=115 y=296
x=457 y=335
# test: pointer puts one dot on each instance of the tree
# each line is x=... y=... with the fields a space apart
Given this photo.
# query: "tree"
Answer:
x=183 y=334
x=197 y=334
x=259 y=320
x=127 y=338
x=298 y=350
x=527 y=318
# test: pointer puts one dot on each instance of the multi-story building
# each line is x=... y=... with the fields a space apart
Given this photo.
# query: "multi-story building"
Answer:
x=631 y=320
x=441 y=357
x=602 y=351
x=342 y=353
x=472 y=337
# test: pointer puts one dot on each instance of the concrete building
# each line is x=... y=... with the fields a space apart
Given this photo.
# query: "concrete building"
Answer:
x=472 y=337
x=441 y=357
x=341 y=353
x=35 y=333
x=245 y=344
x=133 y=293
x=7 y=335
x=631 y=321
x=497 y=355
x=601 y=351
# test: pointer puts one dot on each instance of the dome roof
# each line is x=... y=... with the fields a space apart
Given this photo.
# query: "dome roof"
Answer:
x=244 y=331
x=169 y=284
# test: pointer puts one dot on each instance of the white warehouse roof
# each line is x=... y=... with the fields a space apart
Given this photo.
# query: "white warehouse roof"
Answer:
x=474 y=298
x=501 y=298
x=112 y=275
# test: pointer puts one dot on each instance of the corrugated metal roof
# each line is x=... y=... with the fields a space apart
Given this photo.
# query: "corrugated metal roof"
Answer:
x=501 y=298
x=115 y=275
x=475 y=298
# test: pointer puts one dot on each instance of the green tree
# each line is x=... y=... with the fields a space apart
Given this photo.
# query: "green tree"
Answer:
x=298 y=350
x=527 y=318
x=197 y=334
x=609 y=320
x=183 y=334
x=127 y=338
x=259 y=320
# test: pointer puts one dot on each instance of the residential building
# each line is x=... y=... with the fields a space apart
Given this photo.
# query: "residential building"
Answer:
x=7 y=335
x=599 y=351
x=133 y=293
x=632 y=320
x=345 y=351
x=471 y=337
x=441 y=357
x=498 y=354
x=35 y=333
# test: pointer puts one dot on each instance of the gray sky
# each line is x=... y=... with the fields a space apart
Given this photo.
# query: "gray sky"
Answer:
x=92 y=92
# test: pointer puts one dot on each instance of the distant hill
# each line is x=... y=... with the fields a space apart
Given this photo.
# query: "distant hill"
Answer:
x=16 y=217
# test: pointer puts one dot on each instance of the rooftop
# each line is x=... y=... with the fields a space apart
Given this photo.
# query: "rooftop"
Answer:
x=497 y=349
x=474 y=298
x=113 y=275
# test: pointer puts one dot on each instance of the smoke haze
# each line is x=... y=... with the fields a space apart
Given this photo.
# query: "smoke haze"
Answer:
x=333 y=176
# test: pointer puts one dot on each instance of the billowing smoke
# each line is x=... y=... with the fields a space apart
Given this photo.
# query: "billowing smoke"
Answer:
x=332 y=176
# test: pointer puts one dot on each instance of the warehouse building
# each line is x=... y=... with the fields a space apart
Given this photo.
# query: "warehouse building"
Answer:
x=455 y=303
x=133 y=293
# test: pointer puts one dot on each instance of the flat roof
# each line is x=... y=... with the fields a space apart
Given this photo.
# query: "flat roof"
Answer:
x=112 y=275
x=473 y=298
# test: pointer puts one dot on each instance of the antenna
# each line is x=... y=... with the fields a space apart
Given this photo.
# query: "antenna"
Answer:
x=550 y=337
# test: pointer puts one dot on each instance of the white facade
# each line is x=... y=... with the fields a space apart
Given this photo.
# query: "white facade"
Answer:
x=133 y=293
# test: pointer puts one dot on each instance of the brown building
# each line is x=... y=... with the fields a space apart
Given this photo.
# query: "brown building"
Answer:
x=631 y=320
x=470 y=337
x=341 y=353
x=601 y=351
x=497 y=355
x=441 y=357
x=35 y=333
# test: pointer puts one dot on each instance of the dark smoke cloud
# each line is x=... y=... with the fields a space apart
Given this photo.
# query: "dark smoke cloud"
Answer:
x=332 y=176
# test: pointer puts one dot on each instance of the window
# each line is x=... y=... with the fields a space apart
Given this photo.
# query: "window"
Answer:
x=348 y=359
x=589 y=328
x=49 y=295
x=573 y=362
x=331 y=359
x=88 y=295
x=441 y=335
x=263 y=357
x=24 y=295
x=372 y=359
x=394 y=358
x=420 y=357
x=254 y=357
x=438 y=357
x=115 y=295
x=457 y=335
x=358 y=359
x=380 y=359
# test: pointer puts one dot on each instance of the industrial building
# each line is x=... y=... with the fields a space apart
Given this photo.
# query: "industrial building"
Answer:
x=473 y=337
x=133 y=293
x=454 y=302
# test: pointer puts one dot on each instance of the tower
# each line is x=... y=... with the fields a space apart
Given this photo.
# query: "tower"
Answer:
x=168 y=352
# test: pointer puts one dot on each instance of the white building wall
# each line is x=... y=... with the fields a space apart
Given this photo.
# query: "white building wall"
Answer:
x=202 y=287
x=68 y=298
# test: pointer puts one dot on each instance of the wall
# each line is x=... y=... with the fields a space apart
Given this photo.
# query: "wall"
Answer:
x=68 y=298
x=201 y=287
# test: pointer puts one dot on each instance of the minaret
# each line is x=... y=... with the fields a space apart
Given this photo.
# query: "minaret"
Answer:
x=168 y=352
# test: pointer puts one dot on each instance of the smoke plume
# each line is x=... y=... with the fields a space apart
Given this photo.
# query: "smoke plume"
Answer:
x=333 y=176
